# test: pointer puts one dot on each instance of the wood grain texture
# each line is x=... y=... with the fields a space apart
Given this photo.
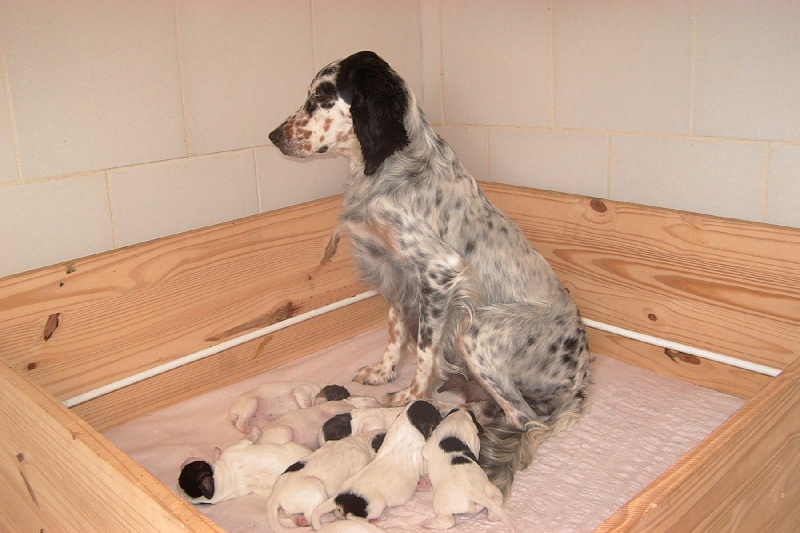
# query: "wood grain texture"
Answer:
x=58 y=474
x=702 y=372
x=745 y=476
x=128 y=310
x=728 y=286
x=233 y=365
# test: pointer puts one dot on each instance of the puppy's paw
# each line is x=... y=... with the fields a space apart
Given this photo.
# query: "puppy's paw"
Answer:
x=375 y=374
x=441 y=521
x=424 y=483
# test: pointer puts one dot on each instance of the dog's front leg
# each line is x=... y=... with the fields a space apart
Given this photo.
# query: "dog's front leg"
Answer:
x=446 y=291
x=385 y=370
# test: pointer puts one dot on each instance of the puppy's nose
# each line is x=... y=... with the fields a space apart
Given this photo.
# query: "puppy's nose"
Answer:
x=276 y=135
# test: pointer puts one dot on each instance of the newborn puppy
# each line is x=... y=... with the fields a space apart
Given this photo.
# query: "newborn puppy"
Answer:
x=459 y=484
x=357 y=421
x=271 y=400
x=391 y=478
x=241 y=469
x=303 y=425
x=310 y=481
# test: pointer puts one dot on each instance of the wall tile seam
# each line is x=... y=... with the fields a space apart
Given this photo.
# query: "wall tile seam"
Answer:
x=693 y=73
x=12 y=124
x=619 y=133
x=83 y=173
x=114 y=236
x=187 y=145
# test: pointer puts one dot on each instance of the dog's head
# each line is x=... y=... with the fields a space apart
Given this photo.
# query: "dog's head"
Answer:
x=355 y=107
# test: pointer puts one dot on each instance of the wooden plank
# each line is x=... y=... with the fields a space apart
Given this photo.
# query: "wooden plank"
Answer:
x=58 y=474
x=708 y=374
x=121 y=312
x=745 y=476
x=233 y=365
x=728 y=286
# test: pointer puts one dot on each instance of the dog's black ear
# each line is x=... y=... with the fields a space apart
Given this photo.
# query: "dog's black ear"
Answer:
x=378 y=103
x=333 y=393
x=197 y=479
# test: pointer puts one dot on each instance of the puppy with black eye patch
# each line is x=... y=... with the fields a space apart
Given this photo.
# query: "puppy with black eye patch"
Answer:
x=241 y=469
x=310 y=481
x=459 y=484
x=392 y=477
x=358 y=421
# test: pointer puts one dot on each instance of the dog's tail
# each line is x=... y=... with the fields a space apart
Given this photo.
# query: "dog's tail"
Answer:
x=322 y=509
x=506 y=449
x=273 y=507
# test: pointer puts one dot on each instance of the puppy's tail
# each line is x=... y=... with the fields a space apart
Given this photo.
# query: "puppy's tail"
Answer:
x=493 y=507
x=322 y=509
x=506 y=449
x=273 y=507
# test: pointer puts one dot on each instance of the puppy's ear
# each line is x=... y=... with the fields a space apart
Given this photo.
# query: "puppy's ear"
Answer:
x=475 y=421
x=378 y=103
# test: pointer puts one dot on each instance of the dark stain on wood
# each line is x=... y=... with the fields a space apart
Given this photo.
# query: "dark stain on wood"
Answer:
x=51 y=325
x=31 y=493
x=31 y=366
x=681 y=357
x=598 y=205
x=278 y=314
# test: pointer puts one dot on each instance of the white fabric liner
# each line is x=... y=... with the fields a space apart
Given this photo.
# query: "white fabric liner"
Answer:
x=640 y=423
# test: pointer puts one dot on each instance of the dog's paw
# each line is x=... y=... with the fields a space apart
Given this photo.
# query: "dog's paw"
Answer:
x=400 y=398
x=374 y=375
x=424 y=483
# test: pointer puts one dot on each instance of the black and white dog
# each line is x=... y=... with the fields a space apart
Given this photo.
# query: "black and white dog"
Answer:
x=310 y=481
x=459 y=484
x=392 y=477
x=358 y=421
x=240 y=469
x=468 y=293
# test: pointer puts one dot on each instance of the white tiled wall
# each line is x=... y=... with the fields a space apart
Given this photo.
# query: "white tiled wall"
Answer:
x=125 y=121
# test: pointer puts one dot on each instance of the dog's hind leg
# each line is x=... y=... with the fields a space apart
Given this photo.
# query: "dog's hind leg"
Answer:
x=385 y=370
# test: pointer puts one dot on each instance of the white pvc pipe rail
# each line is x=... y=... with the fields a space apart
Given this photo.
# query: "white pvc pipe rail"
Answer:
x=213 y=350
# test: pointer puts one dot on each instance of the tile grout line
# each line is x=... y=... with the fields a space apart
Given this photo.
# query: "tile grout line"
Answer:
x=693 y=74
x=181 y=78
x=11 y=118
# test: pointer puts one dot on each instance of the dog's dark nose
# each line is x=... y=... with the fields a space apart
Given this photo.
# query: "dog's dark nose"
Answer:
x=276 y=135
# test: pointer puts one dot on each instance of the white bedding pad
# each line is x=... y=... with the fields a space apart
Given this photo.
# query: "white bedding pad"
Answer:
x=639 y=424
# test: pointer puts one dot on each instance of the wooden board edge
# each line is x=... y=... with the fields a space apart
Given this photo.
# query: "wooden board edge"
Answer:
x=233 y=365
x=745 y=476
x=703 y=372
x=61 y=475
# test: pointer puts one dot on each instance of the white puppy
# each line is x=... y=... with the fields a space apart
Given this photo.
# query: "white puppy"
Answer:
x=303 y=425
x=459 y=484
x=358 y=421
x=310 y=481
x=242 y=468
x=391 y=478
x=272 y=400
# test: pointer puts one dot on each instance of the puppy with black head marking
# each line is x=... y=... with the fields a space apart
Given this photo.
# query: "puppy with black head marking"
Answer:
x=310 y=481
x=358 y=421
x=241 y=469
x=459 y=483
x=368 y=493
x=303 y=425
x=270 y=401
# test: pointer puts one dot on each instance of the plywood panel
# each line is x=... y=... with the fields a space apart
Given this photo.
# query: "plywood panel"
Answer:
x=702 y=372
x=233 y=365
x=72 y=327
x=724 y=285
x=744 y=477
x=58 y=474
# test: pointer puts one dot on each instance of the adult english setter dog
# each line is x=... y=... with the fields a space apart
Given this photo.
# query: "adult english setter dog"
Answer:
x=469 y=296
